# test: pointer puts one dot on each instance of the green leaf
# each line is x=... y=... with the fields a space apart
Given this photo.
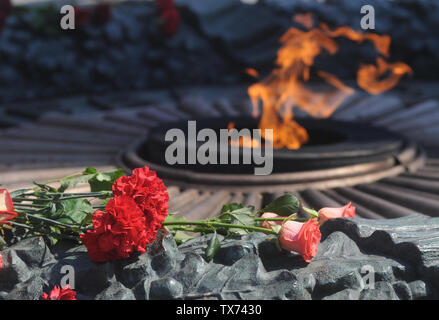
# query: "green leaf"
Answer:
x=71 y=181
x=104 y=181
x=89 y=170
x=99 y=181
x=19 y=192
x=74 y=212
x=231 y=207
x=172 y=218
x=212 y=247
x=43 y=186
x=240 y=216
x=243 y=216
x=284 y=206
x=276 y=228
x=53 y=239
x=181 y=237
x=312 y=212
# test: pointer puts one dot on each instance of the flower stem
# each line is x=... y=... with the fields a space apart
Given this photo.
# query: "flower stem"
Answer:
x=53 y=222
x=20 y=225
x=68 y=177
x=208 y=223
x=29 y=205
x=85 y=194
x=47 y=233
x=282 y=219
x=53 y=196
x=186 y=229
x=30 y=199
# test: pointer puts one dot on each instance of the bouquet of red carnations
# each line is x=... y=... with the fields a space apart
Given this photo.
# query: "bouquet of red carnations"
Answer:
x=128 y=211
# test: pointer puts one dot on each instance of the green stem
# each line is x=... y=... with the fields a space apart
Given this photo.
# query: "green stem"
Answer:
x=30 y=199
x=53 y=222
x=208 y=223
x=86 y=194
x=44 y=233
x=282 y=219
x=68 y=177
x=77 y=197
x=58 y=199
x=63 y=196
x=195 y=229
x=20 y=225
x=28 y=206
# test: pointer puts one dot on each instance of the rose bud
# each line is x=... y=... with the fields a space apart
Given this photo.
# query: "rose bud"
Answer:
x=267 y=224
x=6 y=206
x=301 y=237
x=348 y=211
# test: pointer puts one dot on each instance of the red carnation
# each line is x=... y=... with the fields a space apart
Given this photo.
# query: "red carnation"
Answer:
x=164 y=5
x=118 y=232
x=5 y=7
x=81 y=16
x=171 y=22
x=3 y=18
x=64 y=293
x=5 y=11
x=150 y=194
x=101 y=14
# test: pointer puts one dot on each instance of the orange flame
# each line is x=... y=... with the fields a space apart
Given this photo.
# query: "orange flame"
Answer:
x=244 y=141
x=367 y=76
x=284 y=89
x=252 y=72
x=305 y=19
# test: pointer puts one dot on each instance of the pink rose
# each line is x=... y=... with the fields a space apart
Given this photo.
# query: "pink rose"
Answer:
x=301 y=237
x=348 y=211
x=267 y=224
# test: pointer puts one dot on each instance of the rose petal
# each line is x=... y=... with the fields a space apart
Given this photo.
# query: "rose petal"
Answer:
x=6 y=203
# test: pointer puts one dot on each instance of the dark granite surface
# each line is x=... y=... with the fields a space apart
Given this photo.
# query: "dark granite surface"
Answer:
x=357 y=259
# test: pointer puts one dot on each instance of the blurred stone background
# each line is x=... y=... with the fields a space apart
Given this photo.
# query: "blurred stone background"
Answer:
x=216 y=42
